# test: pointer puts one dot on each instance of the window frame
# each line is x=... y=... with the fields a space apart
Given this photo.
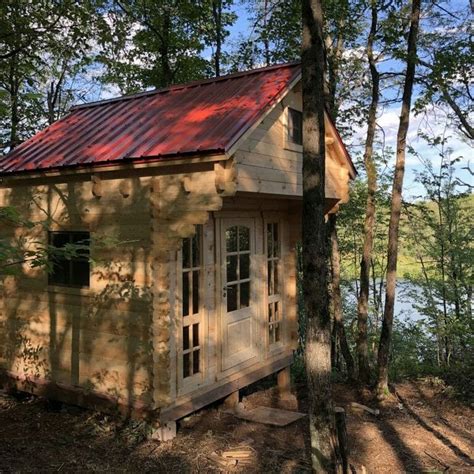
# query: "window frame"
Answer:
x=290 y=132
x=70 y=262
x=192 y=318
x=278 y=294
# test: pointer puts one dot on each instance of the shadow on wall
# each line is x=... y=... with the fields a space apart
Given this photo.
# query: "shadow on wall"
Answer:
x=113 y=338
x=96 y=338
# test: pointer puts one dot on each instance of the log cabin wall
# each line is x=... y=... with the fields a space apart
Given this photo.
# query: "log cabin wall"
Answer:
x=113 y=338
x=267 y=162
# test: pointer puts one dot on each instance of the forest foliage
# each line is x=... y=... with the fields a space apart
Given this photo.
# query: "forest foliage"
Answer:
x=55 y=54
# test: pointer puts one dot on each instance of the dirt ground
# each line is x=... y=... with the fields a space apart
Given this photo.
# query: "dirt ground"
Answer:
x=420 y=429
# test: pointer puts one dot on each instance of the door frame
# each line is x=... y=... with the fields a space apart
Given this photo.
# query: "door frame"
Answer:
x=221 y=218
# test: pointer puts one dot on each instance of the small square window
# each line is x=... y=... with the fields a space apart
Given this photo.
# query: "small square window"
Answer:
x=70 y=267
x=295 y=126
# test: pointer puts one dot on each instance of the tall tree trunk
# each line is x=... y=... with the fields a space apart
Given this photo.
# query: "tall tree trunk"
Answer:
x=266 y=42
x=365 y=263
x=315 y=290
x=14 y=89
x=336 y=297
x=167 y=73
x=396 y=204
x=217 y=15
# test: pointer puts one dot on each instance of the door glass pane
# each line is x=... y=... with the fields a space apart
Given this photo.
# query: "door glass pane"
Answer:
x=186 y=293
x=269 y=276
x=269 y=240
x=244 y=270
x=244 y=294
x=231 y=298
x=196 y=249
x=186 y=255
x=231 y=263
x=186 y=365
x=277 y=332
x=275 y=241
x=244 y=238
x=231 y=239
x=270 y=312
x=195 y=291
x=196 y=361
x=275 y=278
x=196 y=335
x=185 y=338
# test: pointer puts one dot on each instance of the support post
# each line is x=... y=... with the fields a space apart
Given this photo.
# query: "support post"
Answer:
x=232 y=400
x=164 y=431
x=284 y=382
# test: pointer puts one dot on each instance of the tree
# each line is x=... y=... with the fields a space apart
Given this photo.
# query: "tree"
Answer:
x=339 y=331
x=215 y=30
x=315 y=290
x=371 y=171
x=445 y=73
x=396 y=202
x=440 y=234
x=162 y=42
x=47 y=44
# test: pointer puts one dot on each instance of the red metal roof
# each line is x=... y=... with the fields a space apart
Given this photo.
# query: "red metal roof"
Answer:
x=202 y=117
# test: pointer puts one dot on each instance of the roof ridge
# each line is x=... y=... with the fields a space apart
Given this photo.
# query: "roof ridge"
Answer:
x=188 y=85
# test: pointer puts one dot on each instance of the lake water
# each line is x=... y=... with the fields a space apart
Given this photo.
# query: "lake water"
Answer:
x=406 y=297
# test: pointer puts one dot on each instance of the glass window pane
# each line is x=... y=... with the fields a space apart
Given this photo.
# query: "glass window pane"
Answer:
x=270 y=312
x=196 y=247
x=277 y=312
x=269 y=276
x=60 y=272
x=80 y=238
x=186 y=293
x=196 y=355
x=80 y=272
x=231 y=263
x=231 y=298
x=72 y=271
x=186 y=253
x=195 y=291
x=277 y=332
x=271 y=334
x=244 y=269
x=245 y=294
x=186 y=365
x=269 y=240
x=185 y=338
x=231 y=239
x=244 y=238
x=276 y=246
x=59 y=239
x=196 y=335
x=275 y=278
x=295 y=126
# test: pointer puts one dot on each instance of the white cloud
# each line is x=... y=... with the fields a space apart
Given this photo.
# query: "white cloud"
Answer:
x=433 y=123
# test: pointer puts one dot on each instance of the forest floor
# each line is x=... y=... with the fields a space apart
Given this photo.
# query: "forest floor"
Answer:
x=421 y=428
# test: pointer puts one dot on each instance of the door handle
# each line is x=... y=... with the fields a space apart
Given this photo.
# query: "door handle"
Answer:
x=224 y=292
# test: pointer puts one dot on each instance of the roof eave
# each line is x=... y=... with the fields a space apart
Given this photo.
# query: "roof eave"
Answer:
x=118 y=165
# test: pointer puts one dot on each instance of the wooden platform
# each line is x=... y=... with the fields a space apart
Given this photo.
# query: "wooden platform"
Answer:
x=267 y=416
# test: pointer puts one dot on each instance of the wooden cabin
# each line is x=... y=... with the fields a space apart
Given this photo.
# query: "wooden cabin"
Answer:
x=189 y=199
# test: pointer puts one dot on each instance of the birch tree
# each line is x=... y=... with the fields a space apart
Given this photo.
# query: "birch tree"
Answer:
x=396 y=202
